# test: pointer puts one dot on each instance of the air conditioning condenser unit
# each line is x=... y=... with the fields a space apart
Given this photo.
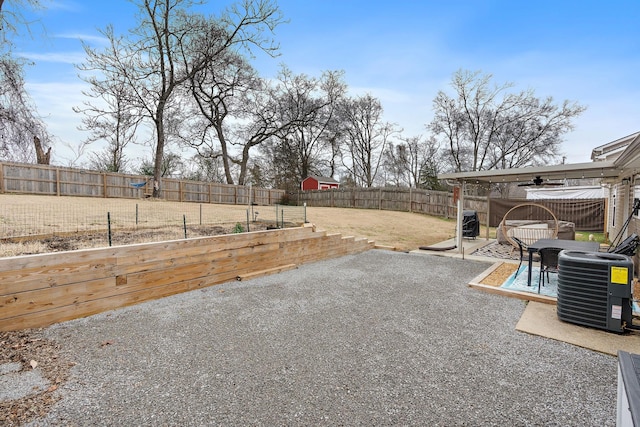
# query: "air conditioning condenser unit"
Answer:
x=594 y=289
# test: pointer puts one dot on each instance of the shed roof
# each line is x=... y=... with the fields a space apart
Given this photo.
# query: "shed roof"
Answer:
x=324 y=179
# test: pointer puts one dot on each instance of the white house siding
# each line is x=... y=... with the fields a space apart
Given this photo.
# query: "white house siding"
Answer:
x=618 y=208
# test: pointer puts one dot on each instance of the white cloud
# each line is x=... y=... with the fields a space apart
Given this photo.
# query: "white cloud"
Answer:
x=55 y=102
x=70 y=6
x=598 y=126
x=97 y=39
x=59 y=57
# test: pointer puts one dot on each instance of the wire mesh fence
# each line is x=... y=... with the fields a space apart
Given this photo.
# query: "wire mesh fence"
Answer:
x=290 y=214
x=26 y=218
x=102 y=222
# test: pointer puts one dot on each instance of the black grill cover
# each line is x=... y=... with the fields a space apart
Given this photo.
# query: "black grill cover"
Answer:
x=470 y=224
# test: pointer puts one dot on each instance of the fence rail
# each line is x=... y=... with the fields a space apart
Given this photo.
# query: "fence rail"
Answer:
x=21 y=178
x=586 y=214
x=437 y=203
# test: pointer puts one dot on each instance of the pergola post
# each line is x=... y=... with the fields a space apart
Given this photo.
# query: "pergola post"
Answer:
x=460 y=208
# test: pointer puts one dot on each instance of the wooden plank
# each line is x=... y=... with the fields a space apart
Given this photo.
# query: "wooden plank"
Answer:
x=325 y=251
x=198 y=265
x=385 y=247
x=57 y=182
x=58 y=296
x=266 y=272
x=159 y=250
x=247 y=258
x=145 y=264
x=527 y=296
x=223 y=242
x=52 y=259
x=61 y=314
x=213 y=249
x=339 y=249
x=167 y=275
x=28 y=279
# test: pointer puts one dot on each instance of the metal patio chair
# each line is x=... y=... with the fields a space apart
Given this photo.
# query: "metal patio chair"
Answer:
x=548 y=263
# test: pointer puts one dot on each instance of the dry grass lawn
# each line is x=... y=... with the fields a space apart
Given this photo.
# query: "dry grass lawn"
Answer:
x=401 y=230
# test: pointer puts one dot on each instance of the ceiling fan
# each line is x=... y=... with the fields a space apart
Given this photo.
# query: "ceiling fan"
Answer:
x=539 y=182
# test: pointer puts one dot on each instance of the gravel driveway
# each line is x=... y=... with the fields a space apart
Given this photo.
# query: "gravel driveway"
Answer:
x=378 y=338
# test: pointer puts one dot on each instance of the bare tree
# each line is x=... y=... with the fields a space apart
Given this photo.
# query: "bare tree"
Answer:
x=277 y=164
x=220 y=91
x=202 y=167
x=246 y=111
x=424 y=161
x=12 y=18
x=366 y=137
x=77 y=152
x=169 y=46
x=110 y=118
x=413 y=162
x=23 y=134
x=307 y=111
x=396 y=164
x=171 y=165
x=263 y=120
x=486 y=127
x=311 y=106
x=427 y=163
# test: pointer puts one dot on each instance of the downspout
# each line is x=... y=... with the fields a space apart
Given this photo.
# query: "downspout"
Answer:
x=627 y=205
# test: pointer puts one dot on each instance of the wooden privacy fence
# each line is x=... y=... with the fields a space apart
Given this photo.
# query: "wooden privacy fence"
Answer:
x=437 y=203
x=587 y=214
x=59 y=181
x=38 y=290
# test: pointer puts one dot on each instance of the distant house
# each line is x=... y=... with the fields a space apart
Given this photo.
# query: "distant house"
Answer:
x=318 y=183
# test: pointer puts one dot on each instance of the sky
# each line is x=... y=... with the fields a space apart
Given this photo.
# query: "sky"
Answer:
x=401 y=52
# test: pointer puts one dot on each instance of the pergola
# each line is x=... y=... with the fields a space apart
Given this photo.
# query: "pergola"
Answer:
x=625 y=166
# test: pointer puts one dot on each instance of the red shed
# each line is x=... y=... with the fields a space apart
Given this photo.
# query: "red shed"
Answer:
x=318 y=183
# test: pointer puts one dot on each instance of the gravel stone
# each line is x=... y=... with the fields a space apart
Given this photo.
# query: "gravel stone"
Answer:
x=7 y=368
x=15 y=384
x=377 y=338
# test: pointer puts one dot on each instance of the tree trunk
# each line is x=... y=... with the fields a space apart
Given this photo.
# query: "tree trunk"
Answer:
x=41 y=157
x=225 y=153
x=157 y=167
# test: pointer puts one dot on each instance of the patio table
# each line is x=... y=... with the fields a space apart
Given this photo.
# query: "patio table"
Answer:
x=569 y=245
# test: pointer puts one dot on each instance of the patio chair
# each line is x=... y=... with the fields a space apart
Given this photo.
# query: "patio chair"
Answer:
x=522 y=246
x=548 y=263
